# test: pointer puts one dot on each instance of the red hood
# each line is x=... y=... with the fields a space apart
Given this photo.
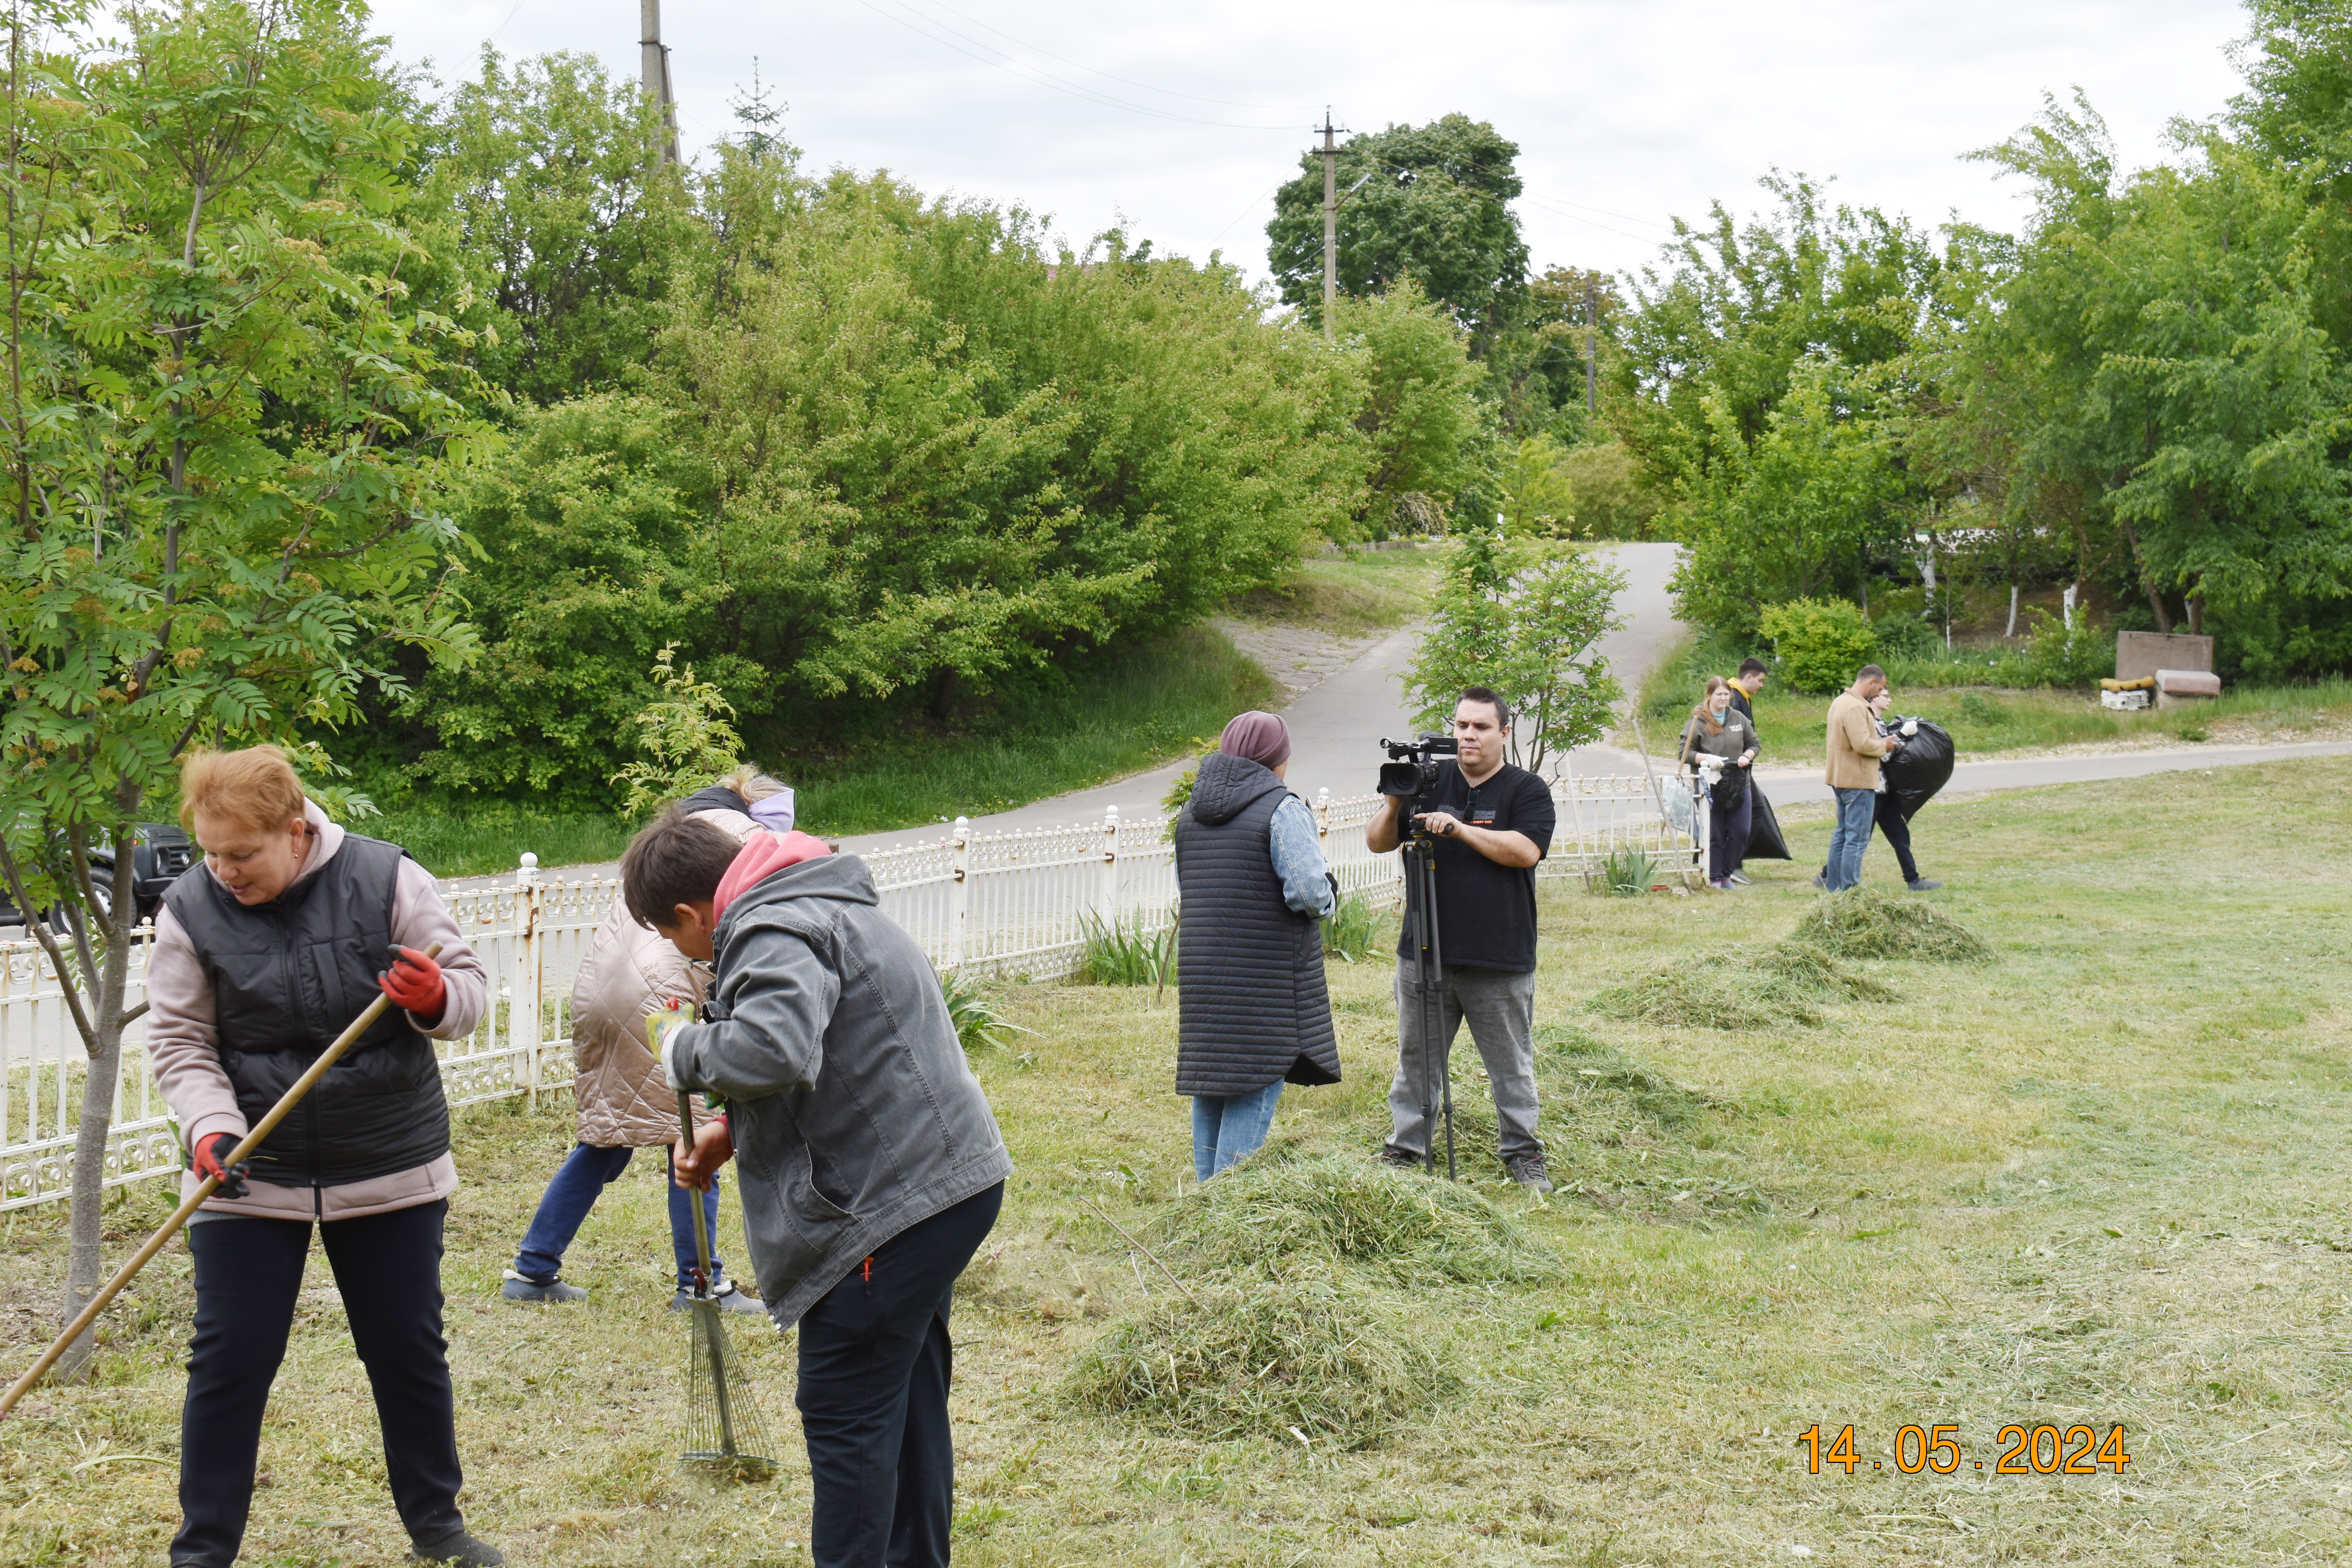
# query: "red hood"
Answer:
x=763 y=855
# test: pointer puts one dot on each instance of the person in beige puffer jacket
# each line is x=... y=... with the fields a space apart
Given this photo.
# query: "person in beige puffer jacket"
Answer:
x=625 y=1104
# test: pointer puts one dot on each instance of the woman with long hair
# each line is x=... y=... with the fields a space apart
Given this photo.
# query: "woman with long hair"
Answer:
x=1720 y=729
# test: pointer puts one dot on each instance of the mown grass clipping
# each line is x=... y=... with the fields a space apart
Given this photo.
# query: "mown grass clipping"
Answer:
x=1310 y=1276
x=1867 y=922
x=1285 y=1209
x=1784 y=988
x=1330 y=1358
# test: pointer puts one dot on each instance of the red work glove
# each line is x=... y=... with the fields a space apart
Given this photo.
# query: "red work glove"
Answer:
x=414 y=985
x=208 y=1157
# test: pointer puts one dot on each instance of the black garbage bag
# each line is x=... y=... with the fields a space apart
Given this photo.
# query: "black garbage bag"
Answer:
x=1923 y=767
x=1764 y=840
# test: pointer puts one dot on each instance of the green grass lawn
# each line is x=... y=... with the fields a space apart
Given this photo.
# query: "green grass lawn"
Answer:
x=2097 y=1180
x=1349 y=595
x=1126 y=711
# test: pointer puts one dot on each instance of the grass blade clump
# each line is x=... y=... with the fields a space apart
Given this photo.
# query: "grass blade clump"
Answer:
x=1867 y=922
x=1273 y=1216
x=1339 y=1363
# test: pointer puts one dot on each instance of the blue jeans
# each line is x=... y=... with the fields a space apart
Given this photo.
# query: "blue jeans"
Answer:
x=585 y=1173
x=1856 y=813
x=1226 y=1126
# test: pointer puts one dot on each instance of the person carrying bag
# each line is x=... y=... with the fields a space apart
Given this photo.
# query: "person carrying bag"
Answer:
x=1718 y=730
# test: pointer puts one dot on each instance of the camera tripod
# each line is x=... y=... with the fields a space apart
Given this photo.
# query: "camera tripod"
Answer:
x=1427 y=989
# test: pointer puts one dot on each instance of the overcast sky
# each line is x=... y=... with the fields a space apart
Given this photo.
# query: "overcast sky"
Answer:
x=1181 y=119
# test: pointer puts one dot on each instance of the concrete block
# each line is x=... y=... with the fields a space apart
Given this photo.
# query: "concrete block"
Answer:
x=2145 y=653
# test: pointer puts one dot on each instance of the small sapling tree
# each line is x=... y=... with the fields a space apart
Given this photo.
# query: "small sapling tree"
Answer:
x=1523 y=616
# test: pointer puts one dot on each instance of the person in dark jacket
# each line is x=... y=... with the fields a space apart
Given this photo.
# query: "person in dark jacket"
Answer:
x=260 y=960
x=1252 y=890
x=872 y=1165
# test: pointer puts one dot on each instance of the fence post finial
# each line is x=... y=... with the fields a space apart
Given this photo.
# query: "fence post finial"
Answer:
x=527 y=872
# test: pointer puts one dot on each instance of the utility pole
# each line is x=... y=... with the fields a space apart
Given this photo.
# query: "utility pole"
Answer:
x=1592 y=339
x=653 y=66
x=1331 y=220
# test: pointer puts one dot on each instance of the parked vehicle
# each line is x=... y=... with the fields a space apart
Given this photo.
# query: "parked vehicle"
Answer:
x=160 y=853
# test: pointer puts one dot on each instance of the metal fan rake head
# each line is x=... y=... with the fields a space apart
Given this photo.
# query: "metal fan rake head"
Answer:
x=725 y=1438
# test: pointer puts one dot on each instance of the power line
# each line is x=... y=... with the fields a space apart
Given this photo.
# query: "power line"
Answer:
x=1037 y=78
x=1130 y=82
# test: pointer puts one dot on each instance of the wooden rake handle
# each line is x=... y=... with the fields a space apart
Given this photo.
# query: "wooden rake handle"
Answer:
x=188 y=1206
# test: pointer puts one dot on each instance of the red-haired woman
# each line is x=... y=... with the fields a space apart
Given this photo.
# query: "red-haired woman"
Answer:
x=259 y=963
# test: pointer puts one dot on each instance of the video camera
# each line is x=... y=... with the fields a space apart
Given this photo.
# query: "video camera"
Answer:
x=1411 y=768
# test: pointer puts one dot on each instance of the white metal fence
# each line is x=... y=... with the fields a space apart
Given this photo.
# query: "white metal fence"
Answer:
x=986 y=904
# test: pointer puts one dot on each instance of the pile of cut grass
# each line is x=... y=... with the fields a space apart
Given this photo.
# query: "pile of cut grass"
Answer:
x=1784 y=988
x=1309 y=1274
x=1869 y=922
x=1707 y=997
x=1285 y=1211
x=1601 y=1094
x=1324 y=1357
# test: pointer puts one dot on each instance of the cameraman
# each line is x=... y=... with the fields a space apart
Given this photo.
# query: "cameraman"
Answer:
x=1492 y=823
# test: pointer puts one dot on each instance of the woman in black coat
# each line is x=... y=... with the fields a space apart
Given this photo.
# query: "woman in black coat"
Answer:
x=1255 y=887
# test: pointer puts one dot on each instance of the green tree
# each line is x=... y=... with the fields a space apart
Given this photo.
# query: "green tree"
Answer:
x=683 y=738
x=1433 y=205
x=223 y=421
x=892 y=452
x=540 y=173
x=1523 y=616
x=1788 y=515
x=1416 y=406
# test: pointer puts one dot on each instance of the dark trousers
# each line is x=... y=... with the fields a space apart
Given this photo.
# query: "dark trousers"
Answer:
x=1899 y=834
x=579 y=1182
x=1727 y=836
x=248 y=1272
x=875 y=1362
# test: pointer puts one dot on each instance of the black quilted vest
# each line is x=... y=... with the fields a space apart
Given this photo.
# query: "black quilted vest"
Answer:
x=287 y=976
x=1251 y=1002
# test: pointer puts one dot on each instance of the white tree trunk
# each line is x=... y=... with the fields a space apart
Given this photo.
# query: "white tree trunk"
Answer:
x=2012 y=612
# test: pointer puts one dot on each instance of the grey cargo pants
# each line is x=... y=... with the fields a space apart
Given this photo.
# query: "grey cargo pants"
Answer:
x=1501 y=1008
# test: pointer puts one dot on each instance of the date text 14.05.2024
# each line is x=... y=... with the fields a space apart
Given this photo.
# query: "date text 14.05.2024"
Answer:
x=2044 y=1450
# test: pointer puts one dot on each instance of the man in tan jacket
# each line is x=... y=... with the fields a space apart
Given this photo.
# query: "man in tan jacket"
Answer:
x=1856 y=747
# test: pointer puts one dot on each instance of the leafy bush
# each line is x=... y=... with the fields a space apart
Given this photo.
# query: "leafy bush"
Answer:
x=2056 y=655
x=1819 y=642
x=1902 y=635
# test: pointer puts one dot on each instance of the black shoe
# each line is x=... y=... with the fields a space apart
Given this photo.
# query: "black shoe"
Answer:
x=1527 y=1171
x=1398 y=1160
x=1923 y=884
x=457 y=1547
x=520 y=1288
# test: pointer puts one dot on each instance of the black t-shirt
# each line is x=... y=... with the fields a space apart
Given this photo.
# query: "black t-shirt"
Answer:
x=1486 y=912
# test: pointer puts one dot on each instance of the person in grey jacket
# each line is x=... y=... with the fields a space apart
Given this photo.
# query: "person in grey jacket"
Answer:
x=1254 y=888
x=872 y=1167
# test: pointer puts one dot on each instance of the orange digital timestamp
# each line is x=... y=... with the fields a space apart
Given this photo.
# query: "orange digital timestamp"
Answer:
x=2044 y=1450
